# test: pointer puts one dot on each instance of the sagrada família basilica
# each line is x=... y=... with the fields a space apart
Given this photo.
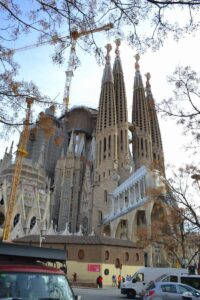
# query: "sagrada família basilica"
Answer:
x=90 y=171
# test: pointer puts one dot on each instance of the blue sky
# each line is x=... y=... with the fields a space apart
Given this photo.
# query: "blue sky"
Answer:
x=36 y=65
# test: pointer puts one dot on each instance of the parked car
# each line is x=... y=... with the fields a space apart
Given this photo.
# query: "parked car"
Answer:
x=191 y=280
x=170 y=291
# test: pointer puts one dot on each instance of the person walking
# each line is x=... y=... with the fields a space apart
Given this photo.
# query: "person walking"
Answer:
x=119 y=278
x=114 y=280
x=74 y=277
x=100 y=281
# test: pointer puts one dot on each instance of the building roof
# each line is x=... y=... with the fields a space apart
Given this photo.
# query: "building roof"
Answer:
x=78 y=240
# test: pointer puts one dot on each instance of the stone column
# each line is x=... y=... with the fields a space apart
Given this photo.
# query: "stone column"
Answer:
x=124 y=200
x=113 y=204
x=139 y=191
x=144 y=186
x=134 y=194
x=118 y=203
x=129 y=197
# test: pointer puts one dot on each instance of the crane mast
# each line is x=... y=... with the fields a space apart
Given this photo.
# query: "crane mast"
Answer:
x=21 y=153
x=73 y=60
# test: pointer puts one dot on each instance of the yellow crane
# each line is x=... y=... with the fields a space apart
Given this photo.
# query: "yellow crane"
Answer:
x=21 y=153
x=72 y=62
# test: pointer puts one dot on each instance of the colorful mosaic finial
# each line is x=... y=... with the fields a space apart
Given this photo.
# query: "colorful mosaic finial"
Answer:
x=148 y=76
x=108 y=48
x=117 y=43
x=137 y=58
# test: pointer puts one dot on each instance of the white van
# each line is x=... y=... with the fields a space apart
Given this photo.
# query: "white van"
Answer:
x=141 y=279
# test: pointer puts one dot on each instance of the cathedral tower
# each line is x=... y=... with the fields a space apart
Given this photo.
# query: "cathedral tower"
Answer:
x=122 y=117
x=142 y=144
x=69 y=187
x=157 y=149
x=106 y=177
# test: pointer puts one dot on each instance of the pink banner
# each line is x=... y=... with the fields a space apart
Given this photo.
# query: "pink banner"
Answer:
x=93 y=268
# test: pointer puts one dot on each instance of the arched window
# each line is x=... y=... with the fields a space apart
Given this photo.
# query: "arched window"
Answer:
x=2 y=201
x=117 y=263
x=107 y=255
x=16 y=219
x=85 y=225
x=137 y=257
x=105 y=196
x=81 y=254
x=33 y=222
x=2 y=218
x=100 y=216
x=126 y=256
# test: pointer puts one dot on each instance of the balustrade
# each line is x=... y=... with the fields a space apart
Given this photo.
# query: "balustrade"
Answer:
x=129 y=194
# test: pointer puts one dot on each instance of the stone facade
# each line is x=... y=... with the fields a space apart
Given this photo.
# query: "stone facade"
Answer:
x=90 y=256
x=81 y=176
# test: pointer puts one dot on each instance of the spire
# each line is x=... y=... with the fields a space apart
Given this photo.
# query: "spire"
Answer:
x=107 y=74
x=119 y=85
x=62 y=156
x=11 y=148
x=122 y=115
x=157 y=149
x=106 y=128
x=5 y=159
x=138 y=79
x=42 y=156
x=117 y=68
x=70 y=150
x=5 y=153
x=148 y=89
x=142 y=145
x=140 y=114
x=107 y=107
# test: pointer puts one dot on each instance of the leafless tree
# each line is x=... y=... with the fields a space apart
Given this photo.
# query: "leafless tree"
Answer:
x=175 y=220
x=143 y=23
x=184 y=106
x=183 y=197
x=184 y=191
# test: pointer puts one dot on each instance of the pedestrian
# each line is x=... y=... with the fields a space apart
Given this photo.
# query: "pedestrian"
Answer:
x=100 y=281
x=127 y=277
x=119 y=278
x=74 y=277
x=114 y=280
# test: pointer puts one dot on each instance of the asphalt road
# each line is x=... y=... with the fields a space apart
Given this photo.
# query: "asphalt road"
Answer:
x=97 y=294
